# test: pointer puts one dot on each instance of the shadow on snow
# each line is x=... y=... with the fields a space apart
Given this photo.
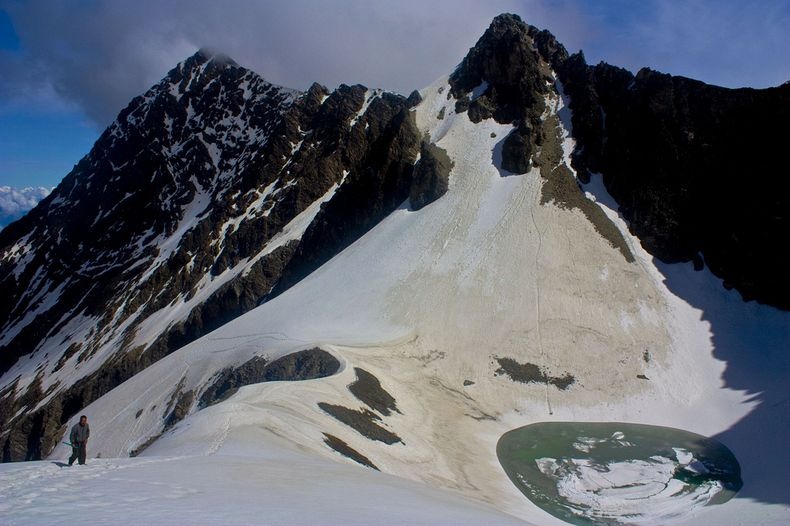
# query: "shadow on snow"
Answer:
x=754 y=342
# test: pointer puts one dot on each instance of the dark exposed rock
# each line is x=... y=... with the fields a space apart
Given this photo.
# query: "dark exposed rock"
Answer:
x=301 y=365
x=145 y=445
x=549 y=48
x=517 y=77
x=462 y=104
x=130 y=174
x=83 y=237
x=180 y=409
x=27 y=445
x=70 y=351
x=467 y=383
x=175 y=394
x=368 y=390
x=431 y=176
x=531 y=373
x=517 y=151
x=508 y=80
x=480 y=108
x=413 y=99
x=228 y=381
x=364 y=422
x=347 y=451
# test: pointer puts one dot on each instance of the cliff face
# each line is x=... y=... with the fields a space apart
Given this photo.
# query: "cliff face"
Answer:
x=695 y=168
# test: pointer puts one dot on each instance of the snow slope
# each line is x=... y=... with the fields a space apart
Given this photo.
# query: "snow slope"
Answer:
x=245 y=484
x=427 y=301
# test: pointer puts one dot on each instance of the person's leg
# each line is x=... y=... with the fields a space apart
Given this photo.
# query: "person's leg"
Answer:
x=83 y=452
x=75 y=452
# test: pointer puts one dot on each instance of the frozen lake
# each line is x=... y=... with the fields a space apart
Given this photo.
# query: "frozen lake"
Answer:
x=615 y=473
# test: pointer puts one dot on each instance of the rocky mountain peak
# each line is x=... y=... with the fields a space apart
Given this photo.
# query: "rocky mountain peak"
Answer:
x=166 y=158
x=218 y=57
x=205 y=58
x=507 y=26
x=504 y=76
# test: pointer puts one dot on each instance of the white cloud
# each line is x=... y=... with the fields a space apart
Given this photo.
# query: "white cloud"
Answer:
x=16 y=202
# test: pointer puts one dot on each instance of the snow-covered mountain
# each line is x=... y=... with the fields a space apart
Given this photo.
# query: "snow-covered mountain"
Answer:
x=189 y=210
x=244 y=275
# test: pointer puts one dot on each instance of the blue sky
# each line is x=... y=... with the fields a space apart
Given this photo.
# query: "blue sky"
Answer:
x=67 y=68
x=38 y=144
x=39 y=148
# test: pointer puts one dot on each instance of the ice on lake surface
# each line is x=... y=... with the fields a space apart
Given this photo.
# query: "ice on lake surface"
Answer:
x=617 y=473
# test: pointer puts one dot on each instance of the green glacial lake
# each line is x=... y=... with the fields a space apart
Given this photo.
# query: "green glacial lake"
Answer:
x=613 y=473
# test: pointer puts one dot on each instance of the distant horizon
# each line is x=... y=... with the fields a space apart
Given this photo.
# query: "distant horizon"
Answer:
x=70 y=69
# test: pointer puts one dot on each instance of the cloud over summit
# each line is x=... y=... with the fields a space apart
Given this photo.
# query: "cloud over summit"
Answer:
x=98 y=55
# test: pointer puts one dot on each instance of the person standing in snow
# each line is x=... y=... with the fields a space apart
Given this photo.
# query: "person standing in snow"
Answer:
x=79 y=440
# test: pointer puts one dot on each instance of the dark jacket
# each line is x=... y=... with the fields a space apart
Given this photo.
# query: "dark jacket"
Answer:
x=79 y=434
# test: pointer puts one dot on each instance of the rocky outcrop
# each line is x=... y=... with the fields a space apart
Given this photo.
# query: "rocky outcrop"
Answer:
x=504 y=76
x=347 y=451
x=517 y=151
x=508 y=70
x=368 y=390
x=301 y=365
x=431 y=176
x=181 y=408
x=363 y=421
x=530 y=373
x=228 y=381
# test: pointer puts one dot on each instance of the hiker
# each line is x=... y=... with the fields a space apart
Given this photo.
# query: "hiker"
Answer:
x=79 y=440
